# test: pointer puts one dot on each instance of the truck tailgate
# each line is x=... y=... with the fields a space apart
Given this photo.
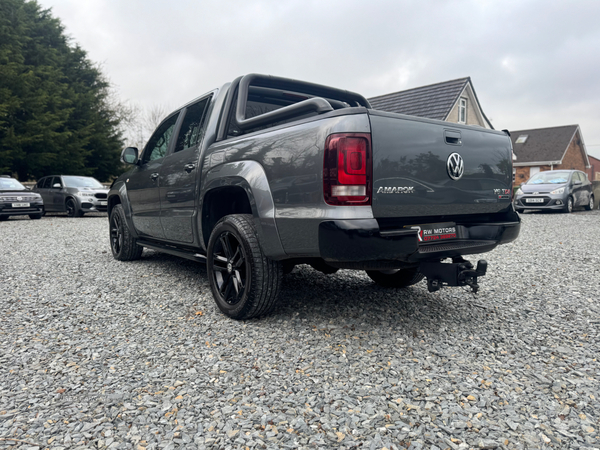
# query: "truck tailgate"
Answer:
x=417 y=162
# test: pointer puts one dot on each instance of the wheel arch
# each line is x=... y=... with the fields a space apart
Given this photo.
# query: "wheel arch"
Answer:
x=117 y=195
x=240 y=188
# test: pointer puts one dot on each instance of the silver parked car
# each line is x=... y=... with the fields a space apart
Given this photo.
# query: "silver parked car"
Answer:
x=74 y=195
x=560 y=190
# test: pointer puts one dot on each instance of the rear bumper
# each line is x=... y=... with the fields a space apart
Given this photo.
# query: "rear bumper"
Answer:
x=362 y=241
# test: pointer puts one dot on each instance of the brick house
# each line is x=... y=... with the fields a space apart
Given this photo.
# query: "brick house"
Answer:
x=544 y=149
x=453 y=101
x=594 y=170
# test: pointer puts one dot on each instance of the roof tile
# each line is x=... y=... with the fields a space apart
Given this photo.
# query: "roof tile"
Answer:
x=434 y=101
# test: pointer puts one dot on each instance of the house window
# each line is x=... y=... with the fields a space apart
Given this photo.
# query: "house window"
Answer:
x=521 y=139
x=462 y=110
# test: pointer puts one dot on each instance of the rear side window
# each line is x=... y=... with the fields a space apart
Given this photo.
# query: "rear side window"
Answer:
x=192 y=127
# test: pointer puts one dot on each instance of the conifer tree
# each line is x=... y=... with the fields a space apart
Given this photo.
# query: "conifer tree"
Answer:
x=55 y=109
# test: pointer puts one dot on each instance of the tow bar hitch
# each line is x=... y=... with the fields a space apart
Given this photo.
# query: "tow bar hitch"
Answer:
x=458 y=273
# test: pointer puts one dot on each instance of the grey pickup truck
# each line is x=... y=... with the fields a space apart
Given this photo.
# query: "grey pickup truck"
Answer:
x=266 y=173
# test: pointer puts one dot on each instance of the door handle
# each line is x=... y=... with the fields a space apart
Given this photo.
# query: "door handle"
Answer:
x=189 y=167
x=154 y=176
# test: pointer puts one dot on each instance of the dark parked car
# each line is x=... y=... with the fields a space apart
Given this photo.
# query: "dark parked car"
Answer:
x=72 y=194
x=17 y=200
x=560 y=190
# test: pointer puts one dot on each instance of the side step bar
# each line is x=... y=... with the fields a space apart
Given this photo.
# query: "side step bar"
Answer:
x=194 y=256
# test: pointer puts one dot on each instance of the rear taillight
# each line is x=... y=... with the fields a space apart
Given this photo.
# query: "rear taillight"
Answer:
x=347 y=169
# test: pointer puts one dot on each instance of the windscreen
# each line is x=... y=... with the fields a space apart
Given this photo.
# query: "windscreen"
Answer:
x=11 y=184
x=551 y=177
x=77 y=182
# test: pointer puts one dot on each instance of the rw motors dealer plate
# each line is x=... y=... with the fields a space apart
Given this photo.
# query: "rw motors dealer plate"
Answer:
x=435 y=232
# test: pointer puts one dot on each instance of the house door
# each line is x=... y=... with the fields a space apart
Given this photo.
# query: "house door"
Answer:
x=533 y=171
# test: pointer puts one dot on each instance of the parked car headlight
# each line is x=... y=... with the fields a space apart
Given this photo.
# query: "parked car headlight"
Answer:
x=558 y=191
x=519 y=191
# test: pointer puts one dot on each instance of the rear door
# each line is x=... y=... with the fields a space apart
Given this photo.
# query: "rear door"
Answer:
x=178 y=175
x=143 y=181
x=41 y=189
x=425 y=168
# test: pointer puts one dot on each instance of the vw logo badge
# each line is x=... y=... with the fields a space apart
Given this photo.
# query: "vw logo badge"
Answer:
x=455 y=166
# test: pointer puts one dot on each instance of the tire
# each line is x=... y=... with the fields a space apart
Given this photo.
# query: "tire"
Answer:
x=590 y=205
x=35 y=216
x=568 y=206
x=244 y=282
x=72 y=210
x=396 y=278
x=122 y=244
x=43 y=211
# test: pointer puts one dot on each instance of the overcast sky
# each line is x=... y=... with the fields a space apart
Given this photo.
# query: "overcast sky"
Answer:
x=533 y=63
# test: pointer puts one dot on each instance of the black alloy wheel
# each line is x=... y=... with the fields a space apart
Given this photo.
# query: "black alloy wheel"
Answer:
x=71 y=208
x=244 y=282
x=231 y=268
x=122 y=244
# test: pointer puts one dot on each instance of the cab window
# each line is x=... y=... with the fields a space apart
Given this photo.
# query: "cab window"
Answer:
x=158 y=145
x=192 y=127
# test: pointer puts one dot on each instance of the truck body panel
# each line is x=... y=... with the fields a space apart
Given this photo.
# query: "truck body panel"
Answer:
x=325 y=179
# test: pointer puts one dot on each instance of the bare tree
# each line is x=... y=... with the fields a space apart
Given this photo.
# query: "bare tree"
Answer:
x=142 y=122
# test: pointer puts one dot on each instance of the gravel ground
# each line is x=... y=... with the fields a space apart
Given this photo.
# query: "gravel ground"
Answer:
x=98 y=353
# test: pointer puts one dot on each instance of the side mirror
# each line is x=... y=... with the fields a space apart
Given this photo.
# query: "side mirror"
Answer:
x=577 y=182
x=129 y=155
x=56 y=185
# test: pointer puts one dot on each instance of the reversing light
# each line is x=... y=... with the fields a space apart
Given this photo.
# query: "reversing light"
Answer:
x=347 y=169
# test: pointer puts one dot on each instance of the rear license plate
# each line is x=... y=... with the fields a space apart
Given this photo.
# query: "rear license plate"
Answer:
x=431 y=232
x=102 y=203
x=20 y=205
x=534 y=200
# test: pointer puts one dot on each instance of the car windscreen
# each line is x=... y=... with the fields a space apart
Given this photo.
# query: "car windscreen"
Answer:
x=549 y=178
x=78 y=182
x=11 y=184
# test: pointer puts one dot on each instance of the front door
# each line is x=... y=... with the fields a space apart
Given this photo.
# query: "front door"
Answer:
x=178 y=176
x=43 y=188
x=143 y=183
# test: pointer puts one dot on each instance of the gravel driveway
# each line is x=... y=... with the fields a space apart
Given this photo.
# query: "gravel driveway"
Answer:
x=98 y=353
